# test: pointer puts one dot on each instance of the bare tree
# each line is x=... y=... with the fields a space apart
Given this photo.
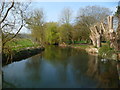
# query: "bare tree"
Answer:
x=96 y=35
x=66 y=20
x=92 y=14
x=11 y=19
x=110 y=33
x=66 y=16
x=36 y=23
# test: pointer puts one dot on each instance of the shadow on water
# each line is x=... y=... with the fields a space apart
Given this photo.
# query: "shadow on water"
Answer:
x=60 y=67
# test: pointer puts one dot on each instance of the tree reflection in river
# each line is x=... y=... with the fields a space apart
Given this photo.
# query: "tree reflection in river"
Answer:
x=105 y=73
x=58 y=67
x=33 y=67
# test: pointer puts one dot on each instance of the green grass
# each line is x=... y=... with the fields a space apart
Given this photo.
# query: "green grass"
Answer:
x=105 y=49
x=17 y=44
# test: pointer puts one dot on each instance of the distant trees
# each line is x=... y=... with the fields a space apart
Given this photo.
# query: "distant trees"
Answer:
x=91 y=17
x=35 y=22
x=66 y=16
x=88 y=26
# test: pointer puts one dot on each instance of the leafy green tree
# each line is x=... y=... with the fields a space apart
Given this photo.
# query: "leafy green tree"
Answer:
x=66 y=33
x=82 y=32
x=51 y=33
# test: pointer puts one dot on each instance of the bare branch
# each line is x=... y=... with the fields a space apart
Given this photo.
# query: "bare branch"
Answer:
x=7 y=12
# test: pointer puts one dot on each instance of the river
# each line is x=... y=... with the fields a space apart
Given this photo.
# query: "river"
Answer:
x=59 y=67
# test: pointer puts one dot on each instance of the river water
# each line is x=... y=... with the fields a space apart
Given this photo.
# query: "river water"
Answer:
x=58 y=67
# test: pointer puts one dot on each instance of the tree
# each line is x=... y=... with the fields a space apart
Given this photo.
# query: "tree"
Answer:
x=11 y=23
x=11 y=19
x=66 y=27
x=82 y=32
x=92 y=16
x=66 y=16
x=36 y=23
x=117 y=14
x=51 y=33
x=118 y=29
x=66 y=33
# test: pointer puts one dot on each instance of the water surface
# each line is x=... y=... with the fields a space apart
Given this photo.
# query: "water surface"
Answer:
x=61 y=68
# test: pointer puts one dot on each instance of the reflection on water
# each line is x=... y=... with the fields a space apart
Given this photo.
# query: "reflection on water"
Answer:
x=105 y=73
x=61 y=67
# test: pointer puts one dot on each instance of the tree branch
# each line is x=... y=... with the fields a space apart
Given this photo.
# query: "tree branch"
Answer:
x=7 y=12
x=13 y=36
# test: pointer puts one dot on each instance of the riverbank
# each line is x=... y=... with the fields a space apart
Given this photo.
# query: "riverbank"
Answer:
x=22 y=54
x=110 y=54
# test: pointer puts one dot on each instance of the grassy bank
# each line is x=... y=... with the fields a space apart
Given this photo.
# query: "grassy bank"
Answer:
x=109 y=53
x=19 y=49
x=105 y=51
x=17 y=44
x=22 y=54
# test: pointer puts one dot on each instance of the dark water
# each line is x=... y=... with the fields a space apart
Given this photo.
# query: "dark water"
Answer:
x=61 y=68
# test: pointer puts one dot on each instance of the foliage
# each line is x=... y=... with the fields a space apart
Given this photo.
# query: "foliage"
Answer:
x=82 y=32
x=35 y=22
x=66 y=32
x=88 y=17
x=51 y=33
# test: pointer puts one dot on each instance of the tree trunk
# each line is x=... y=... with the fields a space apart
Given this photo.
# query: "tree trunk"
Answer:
x=98 y=41
x=93 y=40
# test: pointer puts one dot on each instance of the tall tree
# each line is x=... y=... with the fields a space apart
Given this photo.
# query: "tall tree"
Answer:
x=36 y=23
x=90 y=16
x=66 y=27
x=117 y=13
x=66 y=16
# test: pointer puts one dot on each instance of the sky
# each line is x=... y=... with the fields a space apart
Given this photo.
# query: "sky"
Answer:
x=53 y=9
